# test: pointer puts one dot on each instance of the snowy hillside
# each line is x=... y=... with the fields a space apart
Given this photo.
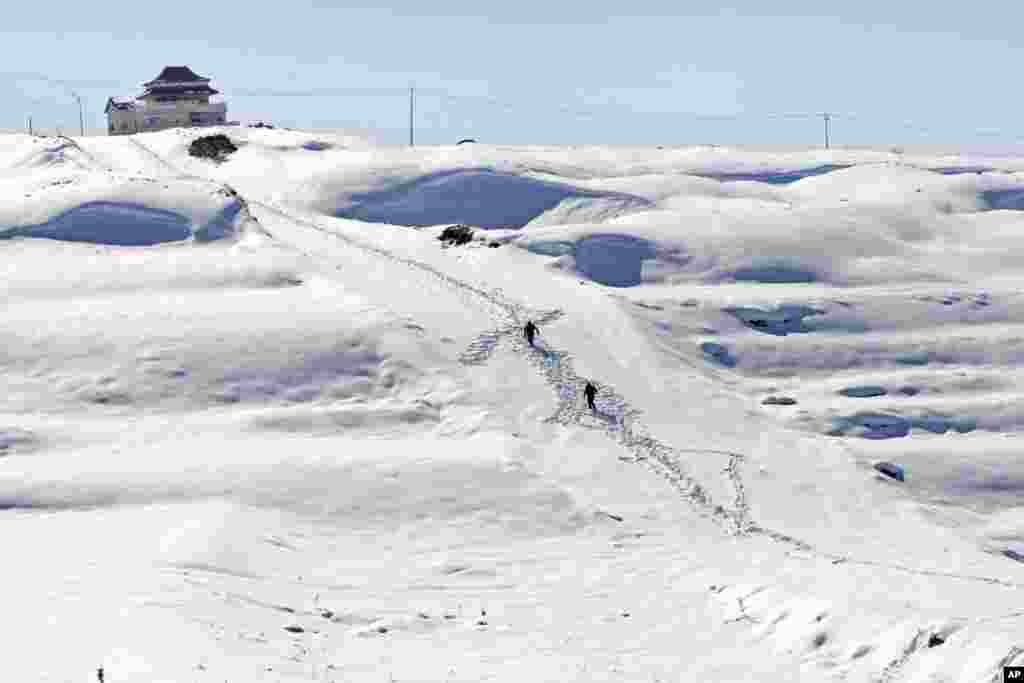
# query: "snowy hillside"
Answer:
x=260 y=424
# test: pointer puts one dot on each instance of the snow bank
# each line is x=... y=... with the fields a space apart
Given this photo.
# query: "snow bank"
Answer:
x=107 y=209
x=854 y=226
x=357 y=484
x=483 y=198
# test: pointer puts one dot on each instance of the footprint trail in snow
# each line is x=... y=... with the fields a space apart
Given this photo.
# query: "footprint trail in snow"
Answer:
x=621 y=421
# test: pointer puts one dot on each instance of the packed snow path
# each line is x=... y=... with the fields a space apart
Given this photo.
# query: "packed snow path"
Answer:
x=556 y=366
x=614 y=416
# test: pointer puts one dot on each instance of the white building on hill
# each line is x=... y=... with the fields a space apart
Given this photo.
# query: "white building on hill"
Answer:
x=176 y=98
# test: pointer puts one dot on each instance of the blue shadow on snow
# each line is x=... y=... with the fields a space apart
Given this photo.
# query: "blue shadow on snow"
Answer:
x=125 y=225
x=775 y=177
x=480 y=197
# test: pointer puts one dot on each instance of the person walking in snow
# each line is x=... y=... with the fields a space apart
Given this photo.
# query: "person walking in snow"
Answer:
x=529 y=331
x=590 y=391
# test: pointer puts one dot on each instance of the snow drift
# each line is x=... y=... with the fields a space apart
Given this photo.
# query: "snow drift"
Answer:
x=116 y=210
x=483 y=198
x=318 y=447
x=848 y=226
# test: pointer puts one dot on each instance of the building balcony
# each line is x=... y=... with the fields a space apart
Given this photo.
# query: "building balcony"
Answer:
x=208 y=108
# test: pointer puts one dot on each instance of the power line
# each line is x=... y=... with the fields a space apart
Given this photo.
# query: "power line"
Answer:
x=316 y=92
x=68 y=84
x=581 y=110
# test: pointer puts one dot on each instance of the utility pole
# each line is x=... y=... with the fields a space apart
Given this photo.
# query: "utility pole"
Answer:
x=30 y=126
x=826 y=117
x=81 y=114
x=412 y=99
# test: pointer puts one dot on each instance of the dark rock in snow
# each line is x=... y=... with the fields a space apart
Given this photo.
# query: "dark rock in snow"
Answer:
x=719 y=353
x=779 y=401
x=935 y=640
x=294 y=629
x=14 y=439
x=890 y=470
x=1013 y=555
x=863 y=392
x=784 y=319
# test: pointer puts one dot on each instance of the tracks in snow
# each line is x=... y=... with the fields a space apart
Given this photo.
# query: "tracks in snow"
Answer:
x=160 y=161
x=620 y=421
x=615 y=416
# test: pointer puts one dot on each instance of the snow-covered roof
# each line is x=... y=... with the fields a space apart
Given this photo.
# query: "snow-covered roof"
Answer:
x=122 y=104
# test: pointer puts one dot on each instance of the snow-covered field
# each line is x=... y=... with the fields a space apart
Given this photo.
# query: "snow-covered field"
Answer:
x=258 y=424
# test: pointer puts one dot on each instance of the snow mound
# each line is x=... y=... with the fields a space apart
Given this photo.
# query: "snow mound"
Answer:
x=1010 y=199
x=484 y=198
x=775 y=176
x=16 y=440
x=89 y=269
x=784 y=319
x=859 y=225
x=887 y=426
x=126 y=225
x=24 y=153
x=117 y=210
x=356 y=485
x=611 y=259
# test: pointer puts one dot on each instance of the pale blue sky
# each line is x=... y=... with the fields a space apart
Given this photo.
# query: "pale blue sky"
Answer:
x=646 y=72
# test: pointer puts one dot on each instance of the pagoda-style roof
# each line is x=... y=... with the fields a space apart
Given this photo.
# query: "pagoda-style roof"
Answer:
x=121 y=104
x=181 y=89
x=178 y=81
x=176 y=74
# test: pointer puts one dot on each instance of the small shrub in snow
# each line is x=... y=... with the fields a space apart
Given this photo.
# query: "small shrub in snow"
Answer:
x=213 y=147
x=457 y=235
